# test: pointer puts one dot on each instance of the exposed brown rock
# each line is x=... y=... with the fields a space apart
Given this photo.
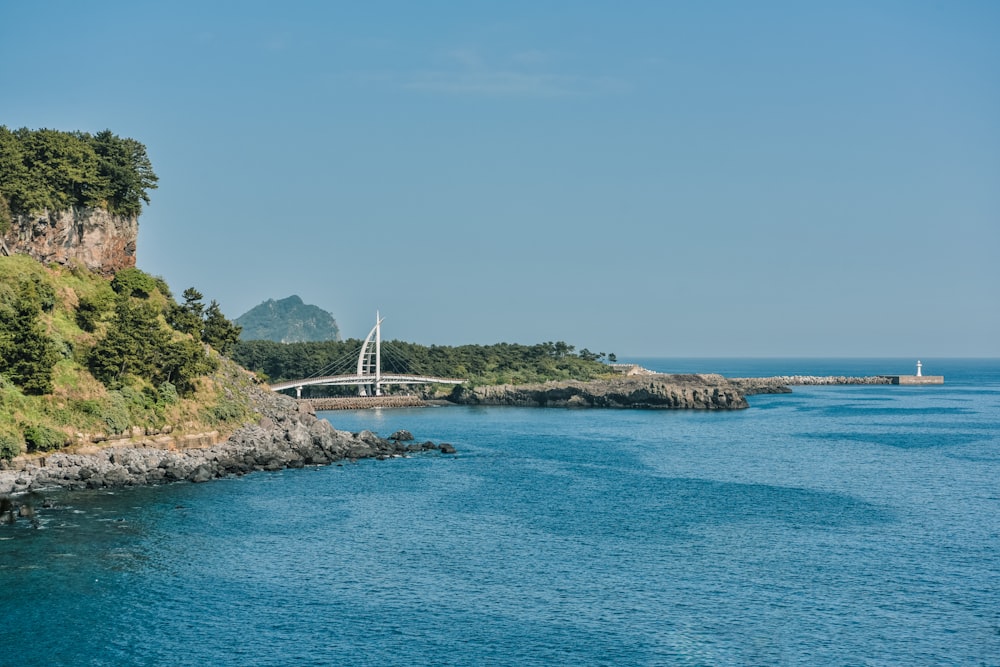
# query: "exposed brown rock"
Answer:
x=99 y=240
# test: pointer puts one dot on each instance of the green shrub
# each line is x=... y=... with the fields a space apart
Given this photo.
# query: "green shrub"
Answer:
x=89 y=406
x=115 y=413
x=92 y=309
x=41 y=438
x=167 y=393
x=164 y=288
x=227 y=410
x=134 y=282
x=42 y=292
x=10 y=446
x=137 y=400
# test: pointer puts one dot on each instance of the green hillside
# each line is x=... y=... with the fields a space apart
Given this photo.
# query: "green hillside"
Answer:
x=83 y=358
x=288 y=321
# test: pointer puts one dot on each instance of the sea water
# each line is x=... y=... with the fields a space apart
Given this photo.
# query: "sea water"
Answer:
x=844 y=525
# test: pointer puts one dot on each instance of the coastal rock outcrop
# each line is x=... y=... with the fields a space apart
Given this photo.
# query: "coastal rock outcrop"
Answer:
x=287 y=435
x=101 y=241
x=659 y=391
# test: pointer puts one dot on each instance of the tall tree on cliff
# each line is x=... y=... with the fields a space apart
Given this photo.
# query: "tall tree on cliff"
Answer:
x=13 y=173
x=219 y=332
x=5 y=218
x=27 y=354
x=189 y=317
x=123 y=163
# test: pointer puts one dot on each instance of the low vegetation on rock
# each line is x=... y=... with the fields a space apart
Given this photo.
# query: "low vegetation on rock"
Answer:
x=84 y=359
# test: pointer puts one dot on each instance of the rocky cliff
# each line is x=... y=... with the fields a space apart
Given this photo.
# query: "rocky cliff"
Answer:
x=99 y=240
x=690 y=392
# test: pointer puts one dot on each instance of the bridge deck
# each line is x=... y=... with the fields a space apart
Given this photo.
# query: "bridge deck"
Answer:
x=334 y=380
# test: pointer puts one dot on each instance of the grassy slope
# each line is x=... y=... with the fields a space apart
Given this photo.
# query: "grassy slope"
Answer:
x=80 y=407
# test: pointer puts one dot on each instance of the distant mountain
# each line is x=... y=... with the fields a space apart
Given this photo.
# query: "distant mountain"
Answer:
x=288 y=321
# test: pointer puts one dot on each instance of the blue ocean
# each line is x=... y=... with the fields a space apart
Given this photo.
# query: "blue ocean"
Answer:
x=839 y=525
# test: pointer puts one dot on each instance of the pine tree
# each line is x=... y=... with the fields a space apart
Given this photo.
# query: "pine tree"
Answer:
x=183 y=362
x=27 y=354
x=187 y=318
x=133 y=345
x=219 y=332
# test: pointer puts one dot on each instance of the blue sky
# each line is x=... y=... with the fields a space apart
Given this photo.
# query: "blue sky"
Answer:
x=645 y=178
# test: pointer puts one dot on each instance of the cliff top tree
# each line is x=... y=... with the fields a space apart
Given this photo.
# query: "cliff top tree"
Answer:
x=53 y=170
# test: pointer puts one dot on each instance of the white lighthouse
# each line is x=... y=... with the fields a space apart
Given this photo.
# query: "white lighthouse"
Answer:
x=918 y=368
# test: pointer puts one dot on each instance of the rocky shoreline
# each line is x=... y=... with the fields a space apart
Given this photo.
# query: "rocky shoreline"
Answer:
x=287 y=435
x=655 y=391
x=649 y=390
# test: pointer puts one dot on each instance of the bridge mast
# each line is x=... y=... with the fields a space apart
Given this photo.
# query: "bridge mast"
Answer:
x=370 y=360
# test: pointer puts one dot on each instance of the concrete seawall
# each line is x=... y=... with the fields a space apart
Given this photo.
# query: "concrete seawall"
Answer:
x=914 y=379
x=780 y=384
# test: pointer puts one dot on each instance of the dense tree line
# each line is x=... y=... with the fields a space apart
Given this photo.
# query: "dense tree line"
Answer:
x=54 y=170
x=481 y=364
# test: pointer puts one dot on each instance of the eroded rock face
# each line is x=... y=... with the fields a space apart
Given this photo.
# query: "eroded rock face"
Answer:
x=99 y=240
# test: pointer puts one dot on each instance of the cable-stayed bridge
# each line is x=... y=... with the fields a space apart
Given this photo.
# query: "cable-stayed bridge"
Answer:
x=367 y=375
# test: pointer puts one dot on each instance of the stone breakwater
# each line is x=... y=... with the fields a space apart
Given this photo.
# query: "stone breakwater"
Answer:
x=364 y=402
x=660 y=391
x=286 y=436
x=780 y=384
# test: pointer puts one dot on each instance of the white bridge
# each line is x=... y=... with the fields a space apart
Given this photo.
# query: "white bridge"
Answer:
x=369 y=377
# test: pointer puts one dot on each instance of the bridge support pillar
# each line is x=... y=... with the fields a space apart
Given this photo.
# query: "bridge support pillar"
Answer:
x=298 y=392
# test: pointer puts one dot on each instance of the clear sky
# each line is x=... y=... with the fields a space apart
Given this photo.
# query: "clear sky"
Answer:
x=645 y=178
